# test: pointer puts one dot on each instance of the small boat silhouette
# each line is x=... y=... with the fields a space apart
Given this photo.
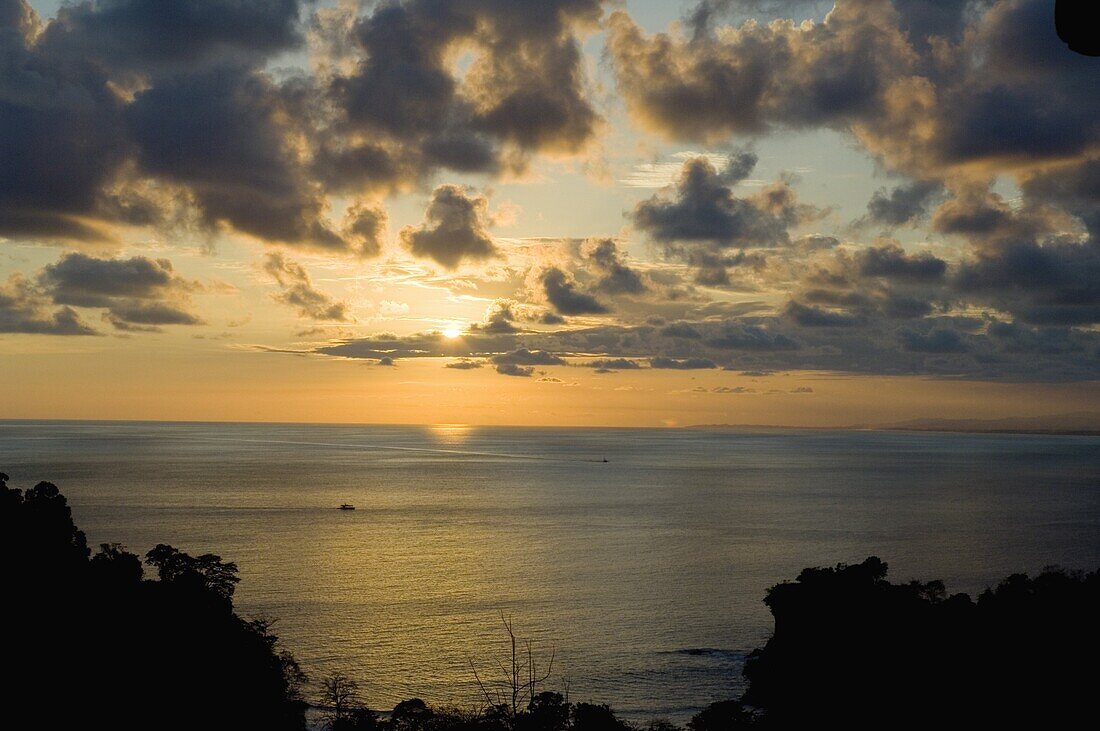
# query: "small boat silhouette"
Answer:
x=605 y=459
x=347 y=506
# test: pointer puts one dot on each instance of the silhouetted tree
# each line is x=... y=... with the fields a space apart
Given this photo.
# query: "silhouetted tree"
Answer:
x=593 y=717
x=721 y=716
x=113 y=564
x=411 y=715
x=547 y=711
x=519 y=679
x=852 y=649
x=346 y=710
x=124 y=652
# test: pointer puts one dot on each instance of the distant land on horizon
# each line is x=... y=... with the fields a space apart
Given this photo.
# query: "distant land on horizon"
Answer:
x=1084 y=423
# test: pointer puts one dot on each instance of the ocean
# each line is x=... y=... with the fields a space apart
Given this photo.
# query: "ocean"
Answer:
x=642 y=576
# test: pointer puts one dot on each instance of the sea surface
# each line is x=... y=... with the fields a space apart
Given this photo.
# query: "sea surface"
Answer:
x=643 y=576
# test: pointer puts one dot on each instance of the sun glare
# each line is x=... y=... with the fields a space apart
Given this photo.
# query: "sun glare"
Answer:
x=451 y=333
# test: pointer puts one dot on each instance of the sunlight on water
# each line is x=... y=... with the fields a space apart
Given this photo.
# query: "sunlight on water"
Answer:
x=645 y=574
x=450 y=435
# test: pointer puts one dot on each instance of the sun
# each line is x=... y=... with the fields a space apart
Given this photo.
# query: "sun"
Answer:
x=451 y=333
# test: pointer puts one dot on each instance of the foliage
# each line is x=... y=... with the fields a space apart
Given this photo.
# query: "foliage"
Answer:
x=97 y=645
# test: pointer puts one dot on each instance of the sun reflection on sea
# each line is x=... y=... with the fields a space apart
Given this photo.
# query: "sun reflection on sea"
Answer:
x=450 y=435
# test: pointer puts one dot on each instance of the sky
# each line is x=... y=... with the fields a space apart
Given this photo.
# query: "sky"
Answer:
x=554 y=212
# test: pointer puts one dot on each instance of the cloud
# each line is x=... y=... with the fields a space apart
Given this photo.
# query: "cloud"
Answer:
x=23 y=309
x=735 y=390
x=811 y=316
x=298 y=291
x=463 y=365
x=892 y=262
x=705 y=209
x=185 y=104
x=934 y=341
x=365 y=227
x=680 y=330
x=612 y=364
x=759 y=75
x=703 y=218
x=562 y=293
x=236 y=157
x=403 y=101
x=1051 y=284
x=973 y=348
x=741 y=336
x=136 y=34
x=1028 y=260
x=138 y=293
x=112 y=95
x=615 y=277
x=512 y=369
x=685 y=364
x=523 y=356
x=454 y=229
x=995 y=85
x=903 y=205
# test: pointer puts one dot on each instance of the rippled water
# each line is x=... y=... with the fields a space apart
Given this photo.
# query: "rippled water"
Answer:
x=645 y=573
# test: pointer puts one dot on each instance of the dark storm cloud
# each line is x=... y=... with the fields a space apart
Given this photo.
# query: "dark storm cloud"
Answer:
x=113 y=92
x=24 y=309
x=137 y=291
x=235 y=157
x=858 y=287
x=454 y=229
x=685 y=364
x=525 y=87
x=149 y=315
x=1050 y=284
x=512 y=369
x=935 y=341
x=463 y=365
x=365 y=227
x=1024 y=262
x=902 y=205
x=523 y=356
x=680 y=330
x=503 y=316
x=705 y=209
x=500 y=320
x=62 y=136
x=562 y=293
x=703 y=219
x=764 y=75
x=612 y=364
x=892 y=262
x=615 y=277
x=85 y=281
x=136 y=34
x=120 y=93
x=954 y=347
x=811 y=316
x=1074 y=187
x=298 y=291
x=744 y=336
x=926 y=87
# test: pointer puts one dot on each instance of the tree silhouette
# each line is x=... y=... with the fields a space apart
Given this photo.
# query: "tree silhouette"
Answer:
x=852 y=649
x=518 y=681
x=122 y=651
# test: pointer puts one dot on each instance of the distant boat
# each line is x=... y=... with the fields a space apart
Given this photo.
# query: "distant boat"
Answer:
x=605 y=459
x=347 y=506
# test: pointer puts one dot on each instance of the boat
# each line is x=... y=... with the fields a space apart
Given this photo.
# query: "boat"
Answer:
x=347 y=506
